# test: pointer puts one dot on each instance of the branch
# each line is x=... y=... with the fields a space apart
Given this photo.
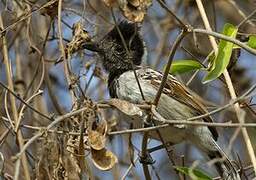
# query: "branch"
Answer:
x=230 y=87
x=24 y=102
x=221 y=36
x=163 y=5
x=178 y=40
x=56 y=121
x=128 y=52
x=62 y=50
x=4 y=30
x=12 y=101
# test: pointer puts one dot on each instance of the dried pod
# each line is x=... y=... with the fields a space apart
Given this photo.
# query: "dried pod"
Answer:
x=97 y=134
x=134 y=10
x=110 y=3
x=104 y=159
x=80 y=36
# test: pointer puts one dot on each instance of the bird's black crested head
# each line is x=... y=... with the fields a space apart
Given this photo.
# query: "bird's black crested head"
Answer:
x=113 y=53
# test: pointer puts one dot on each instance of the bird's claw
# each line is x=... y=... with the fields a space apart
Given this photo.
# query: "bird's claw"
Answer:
x=147 y=159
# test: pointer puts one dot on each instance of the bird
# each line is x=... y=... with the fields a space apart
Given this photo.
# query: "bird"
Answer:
x=122 y=51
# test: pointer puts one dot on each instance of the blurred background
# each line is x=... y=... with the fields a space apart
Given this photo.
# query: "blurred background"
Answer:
x=32 y=38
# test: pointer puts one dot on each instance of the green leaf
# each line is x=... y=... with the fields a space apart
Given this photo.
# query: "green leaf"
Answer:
x=252 y=41
x=182 y=66
x=194 y=174
x=221 y=61
x=236 y=46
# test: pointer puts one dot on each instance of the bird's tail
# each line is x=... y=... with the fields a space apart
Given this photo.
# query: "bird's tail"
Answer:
x=224 y=166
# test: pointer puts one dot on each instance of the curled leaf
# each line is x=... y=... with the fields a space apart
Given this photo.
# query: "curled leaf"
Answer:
x=222 y=59
x=193 y=173
x=134 y=10
x=110 y=3
x=182 y=66
x=252 y=41
x=80 y=37
x=97 y=134
x=126 y=107
x=103 y=159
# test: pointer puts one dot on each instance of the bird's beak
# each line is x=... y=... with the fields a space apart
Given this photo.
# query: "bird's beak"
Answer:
x=92 y=46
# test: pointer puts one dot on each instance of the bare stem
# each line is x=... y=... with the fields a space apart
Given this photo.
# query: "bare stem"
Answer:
x=62 y=50
x=144 y=154
x=172 y=13
x=13 y=103
x=221 y=36
x=168 y=66
x=230 y=86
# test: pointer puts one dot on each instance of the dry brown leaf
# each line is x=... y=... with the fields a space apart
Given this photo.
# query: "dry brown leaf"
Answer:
x=110 y=3
x=97 y=134
x=126 y=107
x=112 y=123
x=49 y=163
x=51 y=9
x=98 y=73
x=135 y=3
x=134 y=10
x=103 y=159
x=71 y=167
x=80 y=36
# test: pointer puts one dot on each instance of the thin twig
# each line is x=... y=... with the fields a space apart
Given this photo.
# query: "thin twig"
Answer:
x=23 y=108
x=13 y=102
x=224 y=37
x=144 y=154
x=4 y=135
x=188 y=121
x=128 y=53
x=67 y=71
x=129 y=169
x=245 y=19
x=56 y=121
x=168 y=66
x=17 y=167
x=3 y=30
x=145 y=135
x=41 y=61
x=230 y=86
x=24 y=102
x=184 y=26
x=85 y=169
x=12 y=124
x=196 y=72
x=166 y=121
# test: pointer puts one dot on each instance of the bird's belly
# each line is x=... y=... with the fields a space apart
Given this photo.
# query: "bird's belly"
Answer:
x=168 y=107
x=173 y=135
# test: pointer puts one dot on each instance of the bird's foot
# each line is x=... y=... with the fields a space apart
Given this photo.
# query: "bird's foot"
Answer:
x=146 y=159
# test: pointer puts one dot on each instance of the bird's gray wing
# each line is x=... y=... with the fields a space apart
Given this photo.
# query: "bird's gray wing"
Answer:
x=181 y=93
